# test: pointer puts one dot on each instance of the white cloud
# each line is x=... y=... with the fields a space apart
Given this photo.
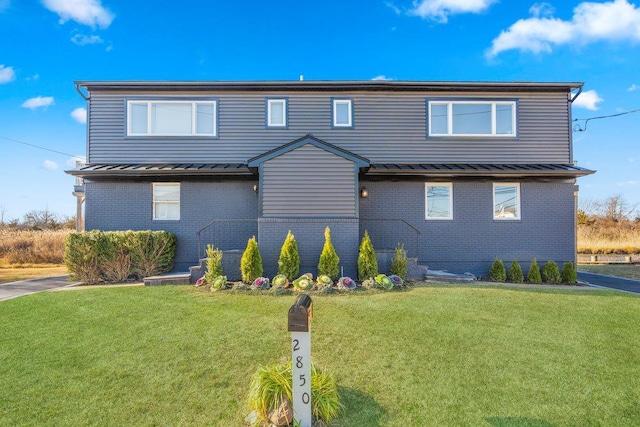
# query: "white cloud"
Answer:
x=541 y=9
x=439 y=10
x=588 y=99
x=633 y=87
x=86 y=12
x=50 y=165
x=382 y=77
x=83 y=40
x=71 y=161
x=591 y=22
x=34 y=77
x=6 y=74
x=393 y=7
x=79 y=115
x=38 y=102
x=626 y=183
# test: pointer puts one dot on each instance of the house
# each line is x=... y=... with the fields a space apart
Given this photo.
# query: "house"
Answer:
x=458 y=172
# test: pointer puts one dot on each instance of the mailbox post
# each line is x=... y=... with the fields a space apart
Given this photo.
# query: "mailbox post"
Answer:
x=300 y=327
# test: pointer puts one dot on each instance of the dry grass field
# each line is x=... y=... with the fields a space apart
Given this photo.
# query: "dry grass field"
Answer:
x=609 y=238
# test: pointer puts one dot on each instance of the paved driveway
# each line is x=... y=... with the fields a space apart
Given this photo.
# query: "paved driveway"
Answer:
x=26 y=287
x=611 y=282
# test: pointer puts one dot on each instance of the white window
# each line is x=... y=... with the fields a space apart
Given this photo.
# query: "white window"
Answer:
x=342 y=113
x=506 y=200
x=472 y=118
x=166 y=201
x=439 y=200
x=276 y=113
x=172 y=118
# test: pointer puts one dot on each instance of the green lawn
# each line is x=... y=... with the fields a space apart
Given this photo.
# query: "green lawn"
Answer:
x=440 y=355
x=630 y=271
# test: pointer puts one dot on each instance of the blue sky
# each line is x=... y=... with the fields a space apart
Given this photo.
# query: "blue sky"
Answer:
x=46 y=45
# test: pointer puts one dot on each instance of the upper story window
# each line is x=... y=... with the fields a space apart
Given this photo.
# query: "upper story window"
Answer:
x=439 y=200
x=172 y=118
x=506 y=200
x=476 y=118
x=277 y=113
x=166 y=201
x=342 y=112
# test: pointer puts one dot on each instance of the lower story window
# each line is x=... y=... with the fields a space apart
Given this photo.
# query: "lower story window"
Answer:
x=166 y=201
x=439 y=200
x=506 y=200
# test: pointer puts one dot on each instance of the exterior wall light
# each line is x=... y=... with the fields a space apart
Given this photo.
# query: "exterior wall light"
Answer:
x=255 y=188
x=364 y=193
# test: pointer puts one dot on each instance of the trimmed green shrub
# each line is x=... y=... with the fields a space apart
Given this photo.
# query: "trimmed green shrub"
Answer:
x=214 y=264
x=515 y=273
x=289 y=261
x=569 y=274
x=551 y=273
x=367 y=262
x=116 y=264
x=399 y=262
x=251 y=262
x=497 y=272
x=534 y=273
x=81 y=256
x=270 y=392
x=329 y=260
x=152 y=252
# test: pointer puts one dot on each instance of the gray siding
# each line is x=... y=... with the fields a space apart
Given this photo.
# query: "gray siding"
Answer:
x=308 y=182
x=389 y=127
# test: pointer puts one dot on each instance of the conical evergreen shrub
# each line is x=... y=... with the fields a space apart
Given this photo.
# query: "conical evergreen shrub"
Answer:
x=329 y=260
x=497 y=272
x=551 y=273
x=399 y=262
x=251 y=262
x=534 y=273
x=289 y=261
x=367 y=262
x=214 y=264
x=515 y=273
x=569 y=274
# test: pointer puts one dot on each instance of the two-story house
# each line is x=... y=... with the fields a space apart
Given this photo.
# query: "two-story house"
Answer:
x=458 y=172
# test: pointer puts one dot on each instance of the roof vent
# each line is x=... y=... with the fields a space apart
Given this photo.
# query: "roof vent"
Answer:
x=301 y=77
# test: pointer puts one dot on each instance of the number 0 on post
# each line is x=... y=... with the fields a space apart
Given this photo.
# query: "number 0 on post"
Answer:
x=300 y=328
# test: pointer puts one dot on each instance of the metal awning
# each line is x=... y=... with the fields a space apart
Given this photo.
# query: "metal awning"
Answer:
x=159 y=169
x=481 y=169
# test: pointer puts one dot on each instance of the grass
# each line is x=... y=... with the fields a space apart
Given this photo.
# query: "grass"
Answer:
x=14 y=272
x=440 y=355
x=32 y=246
x=630 y=271
x=606 y=237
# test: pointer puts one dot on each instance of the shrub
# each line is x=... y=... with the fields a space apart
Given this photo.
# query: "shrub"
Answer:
x=329 y=260
x=569 y=274
x=367 y=263
x=214 y=264
x=534 y=273
x=270 y=389
x=399 y=262
x=551 y=273
x=497 y=272
x=289 y=261
x=515 y=273
x=251 y=262
x=152 y=252
x=81 y=256
x=115 y=256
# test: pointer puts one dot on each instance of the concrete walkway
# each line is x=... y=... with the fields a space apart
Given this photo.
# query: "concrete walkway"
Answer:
x=31 y=286
x=610 y=282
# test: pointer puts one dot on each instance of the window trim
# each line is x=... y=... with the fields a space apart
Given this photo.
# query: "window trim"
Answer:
x=518 y=201
x=154 y=201
x=493 y=101
x=285 y=112
x=426 y=200
x=192 y=101
x=334 y=113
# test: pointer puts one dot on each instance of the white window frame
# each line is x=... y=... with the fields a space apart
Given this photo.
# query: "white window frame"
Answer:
x=426 y=200
x=194 y=115
x=155 y=202
x=493 y=103
x=285 y=119
x=518 y=215
x=342 y=101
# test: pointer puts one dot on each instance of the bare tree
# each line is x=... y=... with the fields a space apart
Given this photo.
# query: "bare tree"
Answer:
x=43 y=219
x=615 y=208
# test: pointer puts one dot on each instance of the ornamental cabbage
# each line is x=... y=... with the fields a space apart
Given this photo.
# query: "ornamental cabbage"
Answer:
x=383 y=281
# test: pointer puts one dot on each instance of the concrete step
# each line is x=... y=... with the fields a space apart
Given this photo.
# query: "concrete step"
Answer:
x=168 y=279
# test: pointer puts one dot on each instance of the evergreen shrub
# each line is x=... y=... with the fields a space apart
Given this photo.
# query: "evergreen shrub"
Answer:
x=399 y=262
x=367 y=262
x=289 y=261
x=214 y=264
x=569 y=274
x=497 y=272
x=329 y=261
x=551 y=273
x=534 y=273
x=515 y=273
x=251 y=262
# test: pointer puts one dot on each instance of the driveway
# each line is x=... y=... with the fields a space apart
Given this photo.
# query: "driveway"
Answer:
x=611 y=282
x=26 y=287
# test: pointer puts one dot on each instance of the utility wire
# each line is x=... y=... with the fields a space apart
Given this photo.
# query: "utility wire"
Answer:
x=578 y=128
x=38 y=146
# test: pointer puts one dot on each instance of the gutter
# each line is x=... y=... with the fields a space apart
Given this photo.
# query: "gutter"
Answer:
x=576 y=95
x=78 y=85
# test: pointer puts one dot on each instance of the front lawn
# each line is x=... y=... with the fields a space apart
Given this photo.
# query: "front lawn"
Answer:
x=439 y=355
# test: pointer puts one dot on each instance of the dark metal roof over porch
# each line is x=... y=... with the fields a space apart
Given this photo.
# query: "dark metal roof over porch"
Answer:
x=159 y=169
x=470 y=170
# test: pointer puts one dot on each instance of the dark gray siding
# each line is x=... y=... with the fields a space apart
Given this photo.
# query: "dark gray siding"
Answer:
x=472 y=240
x=126 y=205
x=309 y=182
x=389 y=127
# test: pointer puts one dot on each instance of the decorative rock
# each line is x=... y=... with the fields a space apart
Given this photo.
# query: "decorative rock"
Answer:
x=283 y=415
